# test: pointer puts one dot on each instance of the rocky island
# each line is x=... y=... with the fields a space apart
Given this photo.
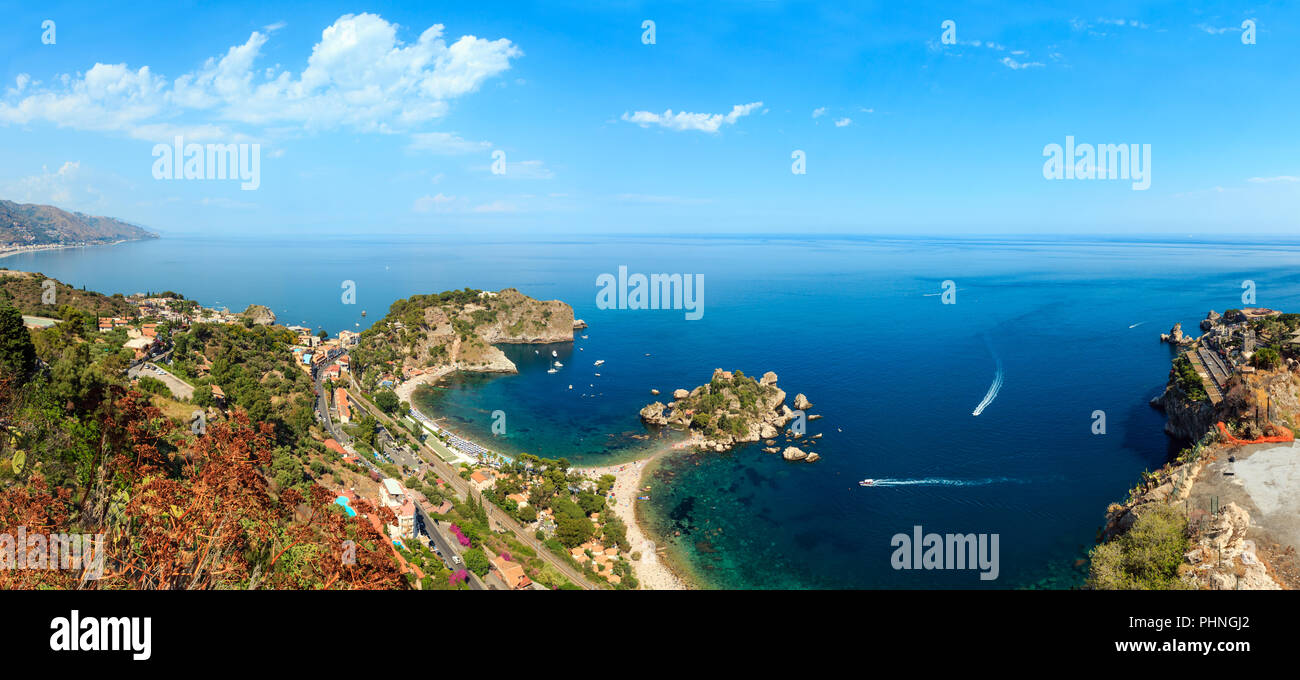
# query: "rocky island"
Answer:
x=732 y=408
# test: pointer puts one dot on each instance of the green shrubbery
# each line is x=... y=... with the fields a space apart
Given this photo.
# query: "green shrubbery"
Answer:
x=1147 y=557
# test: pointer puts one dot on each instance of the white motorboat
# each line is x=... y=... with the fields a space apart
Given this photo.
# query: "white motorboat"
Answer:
x=552 y=371
x=598 y=362
x=558 y=364
x=867 y=482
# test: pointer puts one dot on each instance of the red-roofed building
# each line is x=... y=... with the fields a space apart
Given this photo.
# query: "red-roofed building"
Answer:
x=510 y=572
x=341 y=405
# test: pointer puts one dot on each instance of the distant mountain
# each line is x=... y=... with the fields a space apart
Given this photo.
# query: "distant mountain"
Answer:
x=23 y=224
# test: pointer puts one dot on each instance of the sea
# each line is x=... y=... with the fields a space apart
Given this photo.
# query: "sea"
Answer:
x=995 y=387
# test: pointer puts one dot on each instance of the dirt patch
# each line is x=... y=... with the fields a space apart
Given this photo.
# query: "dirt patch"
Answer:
x=1265 y=480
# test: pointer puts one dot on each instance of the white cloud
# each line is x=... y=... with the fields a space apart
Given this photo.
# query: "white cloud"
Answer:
x=445 y=143
x=682 y=120
x=1017 y=65
x=1279 y=178
x=819 y=112
x=359 y=76
x=64 y=187
x=843 y=122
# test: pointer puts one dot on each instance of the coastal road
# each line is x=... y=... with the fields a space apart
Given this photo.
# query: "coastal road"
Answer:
x=496 y=516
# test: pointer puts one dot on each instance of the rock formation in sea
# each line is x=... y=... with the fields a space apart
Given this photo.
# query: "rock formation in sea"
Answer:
x=731 y=409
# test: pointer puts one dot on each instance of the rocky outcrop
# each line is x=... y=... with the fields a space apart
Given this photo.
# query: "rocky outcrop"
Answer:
x=1185 y=419
x=260 y=314
x=458 y=330
x=1223 y=558
x=801 y=402
x=1175 y=336
x=730 y=409
x=793 y=453
x=653 y=414
x=1210 y=319
x=654 y=392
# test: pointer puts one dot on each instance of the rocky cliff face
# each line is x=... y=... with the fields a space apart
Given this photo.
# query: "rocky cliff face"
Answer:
x=457 y=330
x=1185 y=419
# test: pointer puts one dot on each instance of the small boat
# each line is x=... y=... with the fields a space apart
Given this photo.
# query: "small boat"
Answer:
x=363 y=312
x=598 y=362
x=558 y=364
x=584 y=337
x=867 y=482
x=570 y=386
x=597 y=375
x=552 y=370
x=554 y=354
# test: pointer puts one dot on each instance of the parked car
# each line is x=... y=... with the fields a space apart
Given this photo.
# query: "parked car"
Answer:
x=457 y=559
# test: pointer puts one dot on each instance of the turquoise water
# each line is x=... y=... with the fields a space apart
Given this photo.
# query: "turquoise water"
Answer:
x=1063 y=329
x=347 y=507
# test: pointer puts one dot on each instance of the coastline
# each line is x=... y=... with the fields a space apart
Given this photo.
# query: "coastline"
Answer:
x=652 y=570
x=406 y=390
x=630 y=477
x=56 y=246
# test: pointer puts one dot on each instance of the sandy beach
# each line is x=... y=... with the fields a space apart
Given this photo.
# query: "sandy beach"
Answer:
x=650 y=569
x=407 y=389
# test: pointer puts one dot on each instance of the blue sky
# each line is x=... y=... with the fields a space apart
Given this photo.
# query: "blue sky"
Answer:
x=370 y=119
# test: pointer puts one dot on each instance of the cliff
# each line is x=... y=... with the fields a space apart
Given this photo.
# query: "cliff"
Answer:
x=457 y=330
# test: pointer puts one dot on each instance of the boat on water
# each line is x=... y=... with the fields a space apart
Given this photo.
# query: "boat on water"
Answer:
x=558 y=364
x=552 y=370
x=584 y=337
x=867 y=482
x=597 y=375
x=554 y=354
x=598 y=362
x=363 y=312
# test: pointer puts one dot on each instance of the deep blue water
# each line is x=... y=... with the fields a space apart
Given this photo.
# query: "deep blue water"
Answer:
x=856 y=324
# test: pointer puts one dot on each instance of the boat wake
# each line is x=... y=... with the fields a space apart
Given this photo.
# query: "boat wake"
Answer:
x=1137 y=324
x=946 y=482
x=994 y=388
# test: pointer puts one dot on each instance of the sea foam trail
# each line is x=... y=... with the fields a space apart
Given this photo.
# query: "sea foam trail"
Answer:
x=994 y=388
x=948 y=482
x=1137 y=324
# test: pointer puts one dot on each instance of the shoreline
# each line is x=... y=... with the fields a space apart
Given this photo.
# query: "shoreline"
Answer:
x=652 y=570
x=22 y=250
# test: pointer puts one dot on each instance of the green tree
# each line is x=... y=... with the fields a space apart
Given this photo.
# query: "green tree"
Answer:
x=1266 y=358
x=386 y=400
x=17 y=353
x=476 y=561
